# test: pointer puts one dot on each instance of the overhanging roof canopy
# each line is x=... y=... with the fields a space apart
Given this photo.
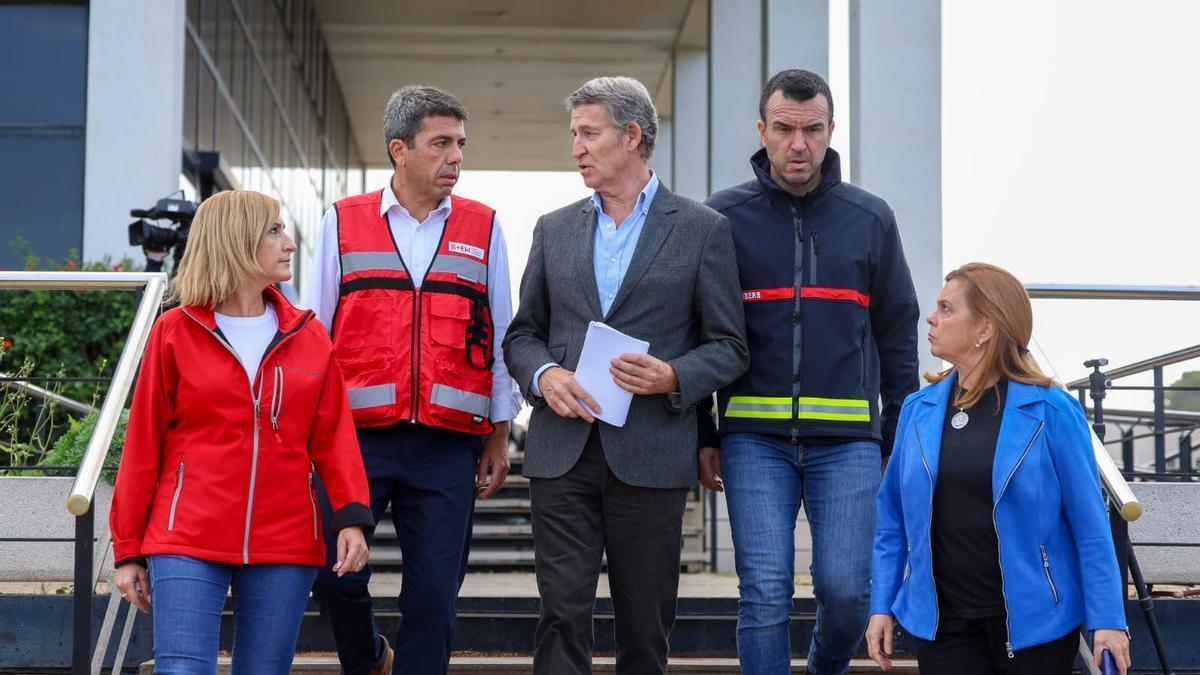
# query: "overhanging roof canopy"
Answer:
x=511 y=63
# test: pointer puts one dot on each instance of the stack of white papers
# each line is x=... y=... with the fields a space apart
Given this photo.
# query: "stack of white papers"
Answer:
x=601 y=345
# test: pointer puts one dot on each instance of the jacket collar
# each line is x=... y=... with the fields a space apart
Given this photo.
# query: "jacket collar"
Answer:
x=1024 y=415
x=289 y=315
x=831 y=173
x=659 y=223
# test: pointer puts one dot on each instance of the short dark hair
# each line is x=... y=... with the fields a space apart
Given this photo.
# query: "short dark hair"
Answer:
x=796 y=84
x=409 y=106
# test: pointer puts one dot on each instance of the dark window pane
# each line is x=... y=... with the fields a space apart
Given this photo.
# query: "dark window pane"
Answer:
x=36 y=171
x=53 y=37
x=207 y=24
x=206 y=122
x=190 y=62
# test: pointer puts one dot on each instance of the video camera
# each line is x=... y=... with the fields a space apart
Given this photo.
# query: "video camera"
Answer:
x=159 y=239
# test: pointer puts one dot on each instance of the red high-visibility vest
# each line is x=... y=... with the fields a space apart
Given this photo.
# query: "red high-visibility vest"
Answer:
x=410 y=354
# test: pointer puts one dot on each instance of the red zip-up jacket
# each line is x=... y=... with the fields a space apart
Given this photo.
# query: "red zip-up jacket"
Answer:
x=219 y=469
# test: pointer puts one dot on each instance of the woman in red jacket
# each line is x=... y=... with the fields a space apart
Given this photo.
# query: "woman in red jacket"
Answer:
x=238 y=403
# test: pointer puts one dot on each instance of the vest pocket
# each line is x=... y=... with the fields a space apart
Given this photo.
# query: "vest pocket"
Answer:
x=448 y=318
x=460 y=330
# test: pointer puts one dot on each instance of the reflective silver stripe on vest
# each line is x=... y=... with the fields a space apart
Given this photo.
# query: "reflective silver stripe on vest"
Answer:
x=369 y=397
x=463 y=401
x=471 y=270
x=371 y=260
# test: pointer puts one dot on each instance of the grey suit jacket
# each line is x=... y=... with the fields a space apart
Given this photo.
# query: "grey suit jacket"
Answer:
x=681 y=294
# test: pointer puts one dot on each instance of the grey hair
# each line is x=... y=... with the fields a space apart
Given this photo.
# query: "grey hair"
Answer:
x=409 y=106
x=626 y=100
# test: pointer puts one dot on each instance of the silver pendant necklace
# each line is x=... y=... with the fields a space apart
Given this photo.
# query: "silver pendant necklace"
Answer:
x=960 y=418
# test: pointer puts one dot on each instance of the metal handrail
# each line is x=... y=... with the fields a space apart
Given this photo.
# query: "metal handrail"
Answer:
x=1174 y=417
x=1107 y=292
x=80 y=499
x=1114 y=482
x=77 y=281
x=1170 y=358
x=47 y=395
x=79 y=503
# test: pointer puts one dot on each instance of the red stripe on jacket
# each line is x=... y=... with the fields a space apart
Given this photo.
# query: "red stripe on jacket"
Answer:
x=807 y=292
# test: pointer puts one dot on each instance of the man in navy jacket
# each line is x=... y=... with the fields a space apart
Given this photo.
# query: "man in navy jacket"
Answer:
x=831 y=318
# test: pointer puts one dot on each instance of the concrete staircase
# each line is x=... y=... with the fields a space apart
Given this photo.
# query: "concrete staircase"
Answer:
x=502 y=540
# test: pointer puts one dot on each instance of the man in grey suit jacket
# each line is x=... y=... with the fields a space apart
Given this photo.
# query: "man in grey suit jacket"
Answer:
x=658 y=267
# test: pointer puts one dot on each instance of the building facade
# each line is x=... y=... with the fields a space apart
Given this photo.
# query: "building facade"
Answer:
x=132 y=100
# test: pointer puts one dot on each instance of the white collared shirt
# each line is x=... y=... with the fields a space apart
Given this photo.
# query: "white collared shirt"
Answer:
x=417 y=243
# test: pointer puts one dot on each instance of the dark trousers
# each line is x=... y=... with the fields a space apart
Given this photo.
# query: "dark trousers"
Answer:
x=577 y=518
x=428 y=476
x=976 y=647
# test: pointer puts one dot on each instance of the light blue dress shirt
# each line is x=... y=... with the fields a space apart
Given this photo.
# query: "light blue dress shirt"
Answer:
x=612 y=252
x=614 y=246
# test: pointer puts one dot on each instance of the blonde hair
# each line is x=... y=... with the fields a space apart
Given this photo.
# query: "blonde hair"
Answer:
x=993 y=293
x=222 y=247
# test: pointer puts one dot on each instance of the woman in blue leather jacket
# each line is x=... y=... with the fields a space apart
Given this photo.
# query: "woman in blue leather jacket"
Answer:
x=992 y=546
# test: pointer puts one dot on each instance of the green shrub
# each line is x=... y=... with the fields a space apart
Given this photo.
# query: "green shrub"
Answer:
x=70 y=447
x=57 y=333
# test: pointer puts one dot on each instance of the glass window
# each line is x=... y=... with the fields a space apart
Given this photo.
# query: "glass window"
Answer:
x=206 y=25
x=189 y=95
x=228 y=56
x=206 y=121
x=54 y=37
x=36 y=171
x=42 y=130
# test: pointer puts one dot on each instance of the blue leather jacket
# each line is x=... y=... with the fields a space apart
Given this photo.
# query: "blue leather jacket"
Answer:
x=1049 y=516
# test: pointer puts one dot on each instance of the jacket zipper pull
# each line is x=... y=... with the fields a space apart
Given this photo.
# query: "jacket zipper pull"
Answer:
x=277 y=400
x=1008 y=648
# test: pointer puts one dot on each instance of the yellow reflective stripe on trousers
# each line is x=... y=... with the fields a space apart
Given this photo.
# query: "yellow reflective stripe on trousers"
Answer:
x=810 y=408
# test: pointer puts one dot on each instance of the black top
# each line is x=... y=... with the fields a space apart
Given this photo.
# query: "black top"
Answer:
x=966 y=555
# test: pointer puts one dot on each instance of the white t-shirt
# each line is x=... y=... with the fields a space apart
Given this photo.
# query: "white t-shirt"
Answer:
x=249 y=336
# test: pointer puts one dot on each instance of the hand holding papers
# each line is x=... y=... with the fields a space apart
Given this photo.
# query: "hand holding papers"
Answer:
x=601 y=345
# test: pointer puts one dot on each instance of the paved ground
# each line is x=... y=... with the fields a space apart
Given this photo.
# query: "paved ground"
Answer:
x=522 y=665
x=477 y=585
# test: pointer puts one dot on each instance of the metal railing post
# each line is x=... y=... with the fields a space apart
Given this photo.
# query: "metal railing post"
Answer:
x=1127 y=449
x=1160 y=423
x=1185 y=453
x=81 y=641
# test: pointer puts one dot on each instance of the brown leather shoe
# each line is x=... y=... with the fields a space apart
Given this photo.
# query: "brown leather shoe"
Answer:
x=384 y=667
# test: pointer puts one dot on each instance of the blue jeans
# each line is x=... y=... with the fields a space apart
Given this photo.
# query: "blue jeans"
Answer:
x=766 y=481
x=428 y=477
x=188 y=596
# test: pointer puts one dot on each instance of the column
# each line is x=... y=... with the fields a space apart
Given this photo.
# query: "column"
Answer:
x=134 y=146
x=896 y=121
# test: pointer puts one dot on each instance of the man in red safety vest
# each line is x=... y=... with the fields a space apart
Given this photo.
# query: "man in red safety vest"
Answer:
x=413 y=284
